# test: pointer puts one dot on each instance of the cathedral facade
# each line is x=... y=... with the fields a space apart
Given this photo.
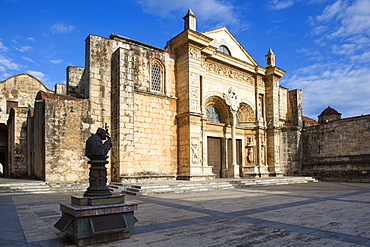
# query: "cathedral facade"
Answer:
x=201 y=108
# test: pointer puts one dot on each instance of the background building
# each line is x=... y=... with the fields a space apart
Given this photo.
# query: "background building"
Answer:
x=201 y=108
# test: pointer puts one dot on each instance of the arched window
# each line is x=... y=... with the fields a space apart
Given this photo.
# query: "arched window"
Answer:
x=213 y=115
x=224 y=49
x=156 y=77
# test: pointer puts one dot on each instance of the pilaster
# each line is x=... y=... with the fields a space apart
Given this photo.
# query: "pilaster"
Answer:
x=122 y=114
x=273 y=75
x=187 y=47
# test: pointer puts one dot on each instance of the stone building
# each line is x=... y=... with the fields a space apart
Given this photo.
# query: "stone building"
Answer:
x=17 y=96
x=337 y=149
x=201 y=108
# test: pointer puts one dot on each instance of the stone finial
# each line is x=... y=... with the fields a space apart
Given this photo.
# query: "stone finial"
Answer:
x=270 y=59
x=190 y=21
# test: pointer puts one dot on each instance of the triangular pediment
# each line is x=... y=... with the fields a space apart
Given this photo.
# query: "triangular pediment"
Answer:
x=222 y=36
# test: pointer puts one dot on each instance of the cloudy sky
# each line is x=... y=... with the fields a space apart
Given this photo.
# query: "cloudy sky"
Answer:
x=324 y=45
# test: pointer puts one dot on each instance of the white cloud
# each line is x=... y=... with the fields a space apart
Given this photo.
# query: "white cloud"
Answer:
x=56 y=61
x=31 y=39
x=280 y=4
x=362 y=58
x=60 y=27
x=39 y=75
x=28 y=59
x=341 y=86
x=220 y=13
x=346 y=19
x=24 y=48
x=343 y=80
x=3 y=47
x=8 y=63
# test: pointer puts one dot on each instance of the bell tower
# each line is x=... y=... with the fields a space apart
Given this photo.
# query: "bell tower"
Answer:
x=190 y=21
x=270 y=59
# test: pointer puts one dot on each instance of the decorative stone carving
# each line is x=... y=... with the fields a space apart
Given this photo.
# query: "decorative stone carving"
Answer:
x=194 y=106
x=194 y=93
x=250 y=155
x=194 y=53
x=260 y=107
x=232 y=99
x=250 y=142
x=195 y=151
x=228 y=72
x=260 y=82
x=194 y=79
x=262 y=155
x=277 y=154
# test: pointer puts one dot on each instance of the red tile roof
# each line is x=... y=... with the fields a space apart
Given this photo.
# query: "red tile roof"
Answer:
x=309 y=120
x=44 y=95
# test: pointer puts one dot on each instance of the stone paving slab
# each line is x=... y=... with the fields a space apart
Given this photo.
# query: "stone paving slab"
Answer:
x=314 y=214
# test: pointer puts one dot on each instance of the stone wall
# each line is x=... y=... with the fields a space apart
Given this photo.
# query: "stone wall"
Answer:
x=138 y=113
x=155 y=136
x=17 y=136
x=67 y=127
x=20 y=89
x=290 y=143
x=338 y=150
x=75 y=81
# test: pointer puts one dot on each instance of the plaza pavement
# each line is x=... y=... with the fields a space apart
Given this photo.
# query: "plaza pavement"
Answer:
x=312 y=214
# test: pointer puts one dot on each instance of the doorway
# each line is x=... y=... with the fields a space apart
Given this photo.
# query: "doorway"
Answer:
x=238 y=152
x=214 y=155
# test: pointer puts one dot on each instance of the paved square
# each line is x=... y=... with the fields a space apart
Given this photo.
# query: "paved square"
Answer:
x=313 y=214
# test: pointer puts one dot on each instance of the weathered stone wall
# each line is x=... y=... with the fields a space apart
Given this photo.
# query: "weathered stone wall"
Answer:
x=290 y=134
x=17 y=152
x=20 y=88
x=338 y=150
x=290 y=142
x=67 y=127
x=60 y=89
x=76 y=81
x=137 y=112
x=37 y=140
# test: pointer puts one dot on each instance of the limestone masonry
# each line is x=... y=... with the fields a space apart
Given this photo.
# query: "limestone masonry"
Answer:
x=201 y=108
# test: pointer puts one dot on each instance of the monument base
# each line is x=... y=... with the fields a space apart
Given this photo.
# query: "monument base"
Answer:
x=93 y=220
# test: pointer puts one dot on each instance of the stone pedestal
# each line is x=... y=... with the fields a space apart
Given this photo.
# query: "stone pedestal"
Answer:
x=98 y=176
x=92 y=220
x=98 y=216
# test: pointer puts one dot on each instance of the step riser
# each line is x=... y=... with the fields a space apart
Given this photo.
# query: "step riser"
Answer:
x=182 y=188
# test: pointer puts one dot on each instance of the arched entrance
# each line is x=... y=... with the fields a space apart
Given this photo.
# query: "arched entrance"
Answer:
x=219 y=137
x=218 y=116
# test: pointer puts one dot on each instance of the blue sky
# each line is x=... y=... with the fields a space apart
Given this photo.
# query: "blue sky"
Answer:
x=324 y=45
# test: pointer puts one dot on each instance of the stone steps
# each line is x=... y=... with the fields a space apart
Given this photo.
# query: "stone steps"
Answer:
x=38 y=187
x=162 y=187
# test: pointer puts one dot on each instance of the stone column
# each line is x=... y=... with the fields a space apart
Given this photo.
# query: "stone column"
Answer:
x=273 y=75
x=234 y=169
x=233 y=101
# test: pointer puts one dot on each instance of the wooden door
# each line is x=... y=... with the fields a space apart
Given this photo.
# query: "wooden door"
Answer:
x=214 y=155
x=238 y=152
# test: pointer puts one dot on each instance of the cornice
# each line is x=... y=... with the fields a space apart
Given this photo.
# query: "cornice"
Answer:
x=190 y=36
